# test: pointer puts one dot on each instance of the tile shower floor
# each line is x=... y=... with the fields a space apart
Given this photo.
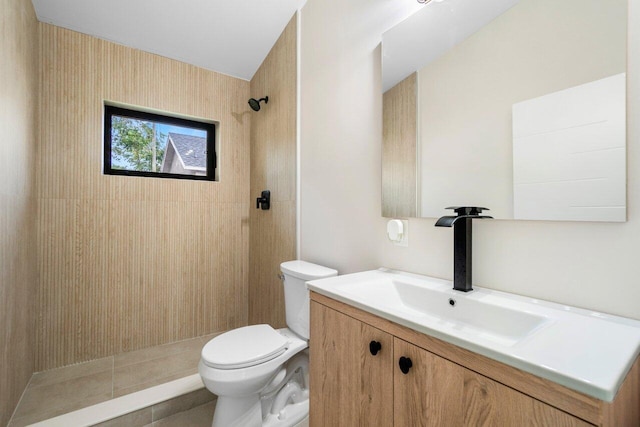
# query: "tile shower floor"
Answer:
x=62 y=390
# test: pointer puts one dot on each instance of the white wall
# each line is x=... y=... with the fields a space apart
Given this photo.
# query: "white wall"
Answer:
x=588 y=265
x=341 y=129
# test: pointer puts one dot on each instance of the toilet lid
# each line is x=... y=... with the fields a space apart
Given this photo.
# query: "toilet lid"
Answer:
x=243 y=347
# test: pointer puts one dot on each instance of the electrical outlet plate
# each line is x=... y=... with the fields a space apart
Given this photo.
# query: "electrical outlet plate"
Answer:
x=405 y=234
x=404 y=241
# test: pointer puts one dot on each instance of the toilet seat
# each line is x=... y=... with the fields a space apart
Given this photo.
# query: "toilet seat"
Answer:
x=244 y=347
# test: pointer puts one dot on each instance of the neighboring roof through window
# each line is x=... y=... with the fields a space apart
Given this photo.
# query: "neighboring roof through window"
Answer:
x=191 y=149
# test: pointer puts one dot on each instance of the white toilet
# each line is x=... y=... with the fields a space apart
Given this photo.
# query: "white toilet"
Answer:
x=260 y=374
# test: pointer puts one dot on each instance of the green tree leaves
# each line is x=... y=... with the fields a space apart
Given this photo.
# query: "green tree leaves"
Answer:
x=136 y=145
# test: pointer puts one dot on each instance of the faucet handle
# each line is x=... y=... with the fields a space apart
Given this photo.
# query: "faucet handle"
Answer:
x=463 y=212
x=468 y=210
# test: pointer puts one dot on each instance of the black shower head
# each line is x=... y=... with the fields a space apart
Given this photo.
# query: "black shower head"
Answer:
x=255 y=103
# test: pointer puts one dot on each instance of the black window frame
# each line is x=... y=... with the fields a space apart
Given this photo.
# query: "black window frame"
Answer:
x=210 y=128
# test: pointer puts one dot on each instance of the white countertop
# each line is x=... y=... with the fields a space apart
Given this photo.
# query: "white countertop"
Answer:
x=586 y=351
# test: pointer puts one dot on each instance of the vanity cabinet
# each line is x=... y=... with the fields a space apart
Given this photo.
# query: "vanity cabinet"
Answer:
x=349 y=386
x=444 y=385
x=437 y=392
x=429 y=393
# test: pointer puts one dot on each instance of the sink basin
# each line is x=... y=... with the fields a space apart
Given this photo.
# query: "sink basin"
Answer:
x=557 y=342
x=468 y=314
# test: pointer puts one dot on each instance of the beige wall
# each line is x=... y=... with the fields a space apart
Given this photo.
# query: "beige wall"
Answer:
x=129 y=262
x=18 y=278
x=273 y=167
x=583 y=264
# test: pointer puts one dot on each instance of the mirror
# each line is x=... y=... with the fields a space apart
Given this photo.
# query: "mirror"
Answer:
x=516 y=105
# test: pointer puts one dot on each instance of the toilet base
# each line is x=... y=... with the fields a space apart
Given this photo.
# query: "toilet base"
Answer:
x=248 y=414
x=234 y=412
x=284 y=405
x=290 y=416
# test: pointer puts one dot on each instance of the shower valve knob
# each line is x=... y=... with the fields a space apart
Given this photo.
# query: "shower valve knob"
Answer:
x=375 y=347
x=264 y=201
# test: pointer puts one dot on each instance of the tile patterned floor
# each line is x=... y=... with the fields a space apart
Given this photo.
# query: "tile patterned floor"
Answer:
x=63 y=390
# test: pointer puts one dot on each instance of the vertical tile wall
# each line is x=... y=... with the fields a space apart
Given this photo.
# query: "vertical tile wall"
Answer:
x=18 y=276
x=128 y=262
x=273 y=167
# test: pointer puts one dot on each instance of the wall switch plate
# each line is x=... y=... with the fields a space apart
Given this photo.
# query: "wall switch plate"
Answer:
x=405 y=235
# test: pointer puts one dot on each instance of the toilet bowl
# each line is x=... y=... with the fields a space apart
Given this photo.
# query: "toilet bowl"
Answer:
x=260 y=374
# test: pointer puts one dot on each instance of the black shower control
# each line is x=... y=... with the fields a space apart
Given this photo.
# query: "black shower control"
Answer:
x=264 y=201
x=405 y=364
x=375 y=347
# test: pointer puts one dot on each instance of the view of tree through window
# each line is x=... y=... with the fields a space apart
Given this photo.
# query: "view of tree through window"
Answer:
x=136 y=144
x=146 y=144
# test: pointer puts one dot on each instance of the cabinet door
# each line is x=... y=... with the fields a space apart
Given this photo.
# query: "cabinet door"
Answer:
x=430 y=393
x=489 y=403
x=349 y=386
x=437 y=392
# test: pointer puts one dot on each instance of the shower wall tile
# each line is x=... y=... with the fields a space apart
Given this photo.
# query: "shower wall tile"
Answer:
x=273 y=167
x=127 y=263
x=18 y=274
x=399 y=134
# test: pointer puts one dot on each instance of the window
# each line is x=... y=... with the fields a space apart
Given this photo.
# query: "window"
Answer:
x=138 y=143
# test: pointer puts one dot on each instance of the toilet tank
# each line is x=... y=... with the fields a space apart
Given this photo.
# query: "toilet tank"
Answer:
x=296 y=295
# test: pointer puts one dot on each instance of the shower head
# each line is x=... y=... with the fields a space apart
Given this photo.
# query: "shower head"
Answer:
x=255 y=103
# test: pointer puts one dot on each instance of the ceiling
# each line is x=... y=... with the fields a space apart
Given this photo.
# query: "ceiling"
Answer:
x=228 y=36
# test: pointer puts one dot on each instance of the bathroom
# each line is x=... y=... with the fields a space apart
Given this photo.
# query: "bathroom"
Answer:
x=73 y=291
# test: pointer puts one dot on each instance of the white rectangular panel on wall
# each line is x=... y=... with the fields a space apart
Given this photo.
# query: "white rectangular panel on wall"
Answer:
x=569 y=157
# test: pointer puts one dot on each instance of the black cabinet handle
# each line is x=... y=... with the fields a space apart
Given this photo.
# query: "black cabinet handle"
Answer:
x=405 y=364
x=375 y=347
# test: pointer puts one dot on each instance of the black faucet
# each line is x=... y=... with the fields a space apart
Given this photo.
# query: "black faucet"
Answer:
x=462 y=243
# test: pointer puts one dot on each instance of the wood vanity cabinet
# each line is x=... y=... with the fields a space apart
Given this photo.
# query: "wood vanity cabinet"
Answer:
x=444 y=386
x=350 y=387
